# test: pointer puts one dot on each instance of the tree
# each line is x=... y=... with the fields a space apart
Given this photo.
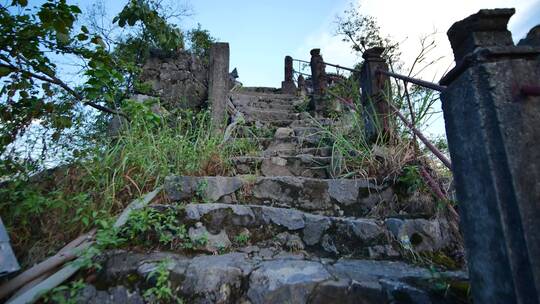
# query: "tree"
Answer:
x=363 y=32
x=35 y=90
x=31 y=39
x=200 y=41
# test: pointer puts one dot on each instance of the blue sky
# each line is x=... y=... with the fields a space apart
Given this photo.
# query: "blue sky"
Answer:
x=262 y=32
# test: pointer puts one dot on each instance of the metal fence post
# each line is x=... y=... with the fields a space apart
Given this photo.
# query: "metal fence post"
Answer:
x=376 y=93
x=493 y=131
x=218 y=83
x=287 y=86
x=318 y=80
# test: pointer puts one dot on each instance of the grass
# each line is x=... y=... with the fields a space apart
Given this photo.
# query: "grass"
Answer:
x=354 y=155
x=44 y=213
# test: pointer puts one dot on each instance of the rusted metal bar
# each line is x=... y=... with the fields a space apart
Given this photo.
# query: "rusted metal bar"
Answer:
x=342 y=67
x=530 y=90
x=332 y=65
x=432 y=184
x=422 y=83
x=421 y=136
x=300 y=73
x=411 y=111
x=302 y=61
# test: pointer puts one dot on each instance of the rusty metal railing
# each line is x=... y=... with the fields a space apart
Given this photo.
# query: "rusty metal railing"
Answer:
x=406 y=122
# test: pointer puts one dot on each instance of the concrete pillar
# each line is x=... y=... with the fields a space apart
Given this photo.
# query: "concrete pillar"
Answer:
x=318 y=80
x=493 y=129
x=218 y=84
x=376 y=92
x=287 y=86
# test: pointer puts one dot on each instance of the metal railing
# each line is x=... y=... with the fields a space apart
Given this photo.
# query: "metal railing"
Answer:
x=406 y=79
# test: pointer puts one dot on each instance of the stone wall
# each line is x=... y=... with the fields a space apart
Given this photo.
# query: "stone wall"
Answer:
x=181 y=80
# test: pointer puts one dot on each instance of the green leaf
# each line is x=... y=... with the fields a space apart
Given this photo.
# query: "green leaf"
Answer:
x=97 y=40
x=4 y=71
x=82 y=37
x=84 y=29
x=75 y=9
x=22 y=3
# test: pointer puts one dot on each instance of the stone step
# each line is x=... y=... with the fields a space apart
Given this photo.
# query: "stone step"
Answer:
x=271 y=145
x=305 y=165
x=258 y=278
x=321 y=151
x=265 y=106
x=317 y=235
x=269 y=115
x=242 y=101
x=351 y=197
x=263 y=96
x=280 y=123
x=307 y=131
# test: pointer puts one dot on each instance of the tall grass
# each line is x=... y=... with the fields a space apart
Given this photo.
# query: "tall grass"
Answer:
x=42 y=213
x=355 y=155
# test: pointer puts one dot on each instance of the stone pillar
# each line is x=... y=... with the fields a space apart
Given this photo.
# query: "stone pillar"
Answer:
x=493 y=129
x=376 y=92
x=218 y=84
x=318 y=80
x=287 y=86
x=301 y=85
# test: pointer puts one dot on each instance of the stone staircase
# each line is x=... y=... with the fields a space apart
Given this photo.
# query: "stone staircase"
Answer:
x=283 y=231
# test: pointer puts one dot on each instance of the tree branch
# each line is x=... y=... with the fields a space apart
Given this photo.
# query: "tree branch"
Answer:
x=54 y=80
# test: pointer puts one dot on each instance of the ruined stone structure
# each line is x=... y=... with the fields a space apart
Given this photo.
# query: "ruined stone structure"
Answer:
x=219 y=83
x=319 y=81
x=376 y=92
x=180 y=80
x=283 y=229
x=288 y=86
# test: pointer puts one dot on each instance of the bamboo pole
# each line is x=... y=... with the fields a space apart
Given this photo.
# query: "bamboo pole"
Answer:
x=68 y=253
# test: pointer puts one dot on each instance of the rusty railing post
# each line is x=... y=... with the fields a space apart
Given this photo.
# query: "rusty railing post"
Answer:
x=494 y=136
x=287 y=86
x=318 y=80
x=218 y=84
x=376 y=94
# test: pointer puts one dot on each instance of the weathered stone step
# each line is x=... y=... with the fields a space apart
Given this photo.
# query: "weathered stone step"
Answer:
x=290 y=229
x=307 y=131
x=354 y=197
x=304 y=122
x=305 y=165
x=281 y=133
x=320 y=151
x=268 y=115
x=265 y=106
x=271 y=145
x=257 y=278
x=263 y=96
x=262 y=102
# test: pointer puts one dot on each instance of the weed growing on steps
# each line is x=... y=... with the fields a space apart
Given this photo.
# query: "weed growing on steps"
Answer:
x=353 y=155
x=242 y=239
x=65 y=294
x=44 y=212
x=162 y=291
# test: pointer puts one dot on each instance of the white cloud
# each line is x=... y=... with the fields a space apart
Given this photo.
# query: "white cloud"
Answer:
x=407 y=21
